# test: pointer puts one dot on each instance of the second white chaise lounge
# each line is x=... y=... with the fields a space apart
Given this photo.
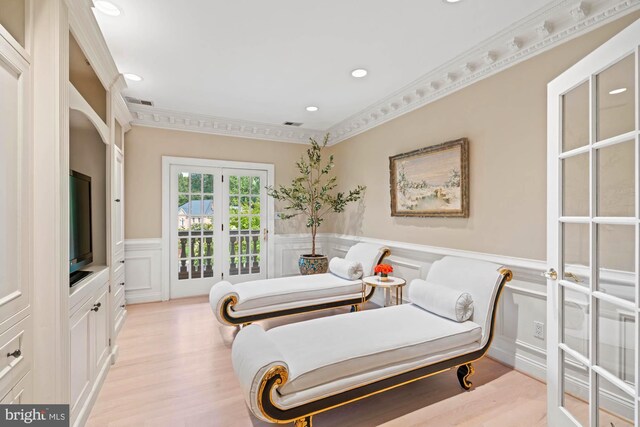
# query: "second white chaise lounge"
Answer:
x=255 y=300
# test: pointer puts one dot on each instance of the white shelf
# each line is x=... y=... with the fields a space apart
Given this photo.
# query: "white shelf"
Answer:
x=78 y=103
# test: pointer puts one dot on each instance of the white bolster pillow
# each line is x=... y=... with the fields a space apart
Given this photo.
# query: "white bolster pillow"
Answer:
x=441 y=300
x=350 y=270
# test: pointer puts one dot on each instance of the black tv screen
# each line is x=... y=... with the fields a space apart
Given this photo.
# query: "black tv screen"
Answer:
x=80 y=238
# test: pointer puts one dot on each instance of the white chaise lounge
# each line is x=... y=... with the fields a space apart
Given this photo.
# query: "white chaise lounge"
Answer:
x=247 y=302
x=292 y=372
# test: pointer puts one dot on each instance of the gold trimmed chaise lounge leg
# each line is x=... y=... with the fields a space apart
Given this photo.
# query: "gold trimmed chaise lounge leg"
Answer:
x=464 y=372
x=303 y=422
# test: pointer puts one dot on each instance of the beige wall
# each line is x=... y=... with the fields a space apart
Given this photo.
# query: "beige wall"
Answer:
x=144 y=148
x=504 y=118
x=87 y=155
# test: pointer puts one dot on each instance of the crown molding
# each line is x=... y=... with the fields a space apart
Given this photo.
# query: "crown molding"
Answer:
x=167 y=119
x=544 y=29
x=548 y=27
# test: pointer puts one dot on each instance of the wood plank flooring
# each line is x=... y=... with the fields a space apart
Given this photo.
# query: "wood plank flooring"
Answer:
x=174 y=369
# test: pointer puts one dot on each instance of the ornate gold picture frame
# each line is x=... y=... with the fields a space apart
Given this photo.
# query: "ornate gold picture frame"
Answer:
x=432 y=181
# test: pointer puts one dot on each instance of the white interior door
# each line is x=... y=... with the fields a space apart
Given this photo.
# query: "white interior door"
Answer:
x=593 y=238
x=195 y=226
x=245 y=218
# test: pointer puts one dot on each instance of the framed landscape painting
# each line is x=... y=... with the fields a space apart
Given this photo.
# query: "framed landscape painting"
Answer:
x=432 y=181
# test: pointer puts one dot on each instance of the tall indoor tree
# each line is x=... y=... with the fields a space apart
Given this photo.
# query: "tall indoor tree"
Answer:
x=312 y=194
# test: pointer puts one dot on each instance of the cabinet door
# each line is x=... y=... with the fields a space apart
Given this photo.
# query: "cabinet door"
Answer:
x=81 y=342
x=117 y=191
x=15 y=184
x=101 y=330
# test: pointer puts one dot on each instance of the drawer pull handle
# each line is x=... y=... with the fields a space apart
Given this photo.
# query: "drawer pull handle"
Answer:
x=122 y=284
x=15 y=354
x=123 y=306
x=122 y=262
x=117 y=200
x=96 y=307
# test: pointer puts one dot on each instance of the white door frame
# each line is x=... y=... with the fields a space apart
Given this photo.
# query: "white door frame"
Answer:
x=620 y=46
x=167 y=162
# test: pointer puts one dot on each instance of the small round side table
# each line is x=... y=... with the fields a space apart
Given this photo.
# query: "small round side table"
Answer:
x=392 y=283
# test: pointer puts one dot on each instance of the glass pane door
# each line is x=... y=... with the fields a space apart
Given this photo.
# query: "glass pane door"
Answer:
x=245 y=201
x=593 y=238
x=196 y=224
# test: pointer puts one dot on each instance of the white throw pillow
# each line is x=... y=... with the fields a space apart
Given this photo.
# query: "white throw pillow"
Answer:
x=350 y=270
x=441 y=300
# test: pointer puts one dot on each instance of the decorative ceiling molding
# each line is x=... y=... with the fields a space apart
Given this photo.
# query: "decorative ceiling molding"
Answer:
x=535 y=34
x=548 y=27
x=158 y=118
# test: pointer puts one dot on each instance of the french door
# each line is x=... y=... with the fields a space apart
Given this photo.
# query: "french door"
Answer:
x=218 y=227
x=593 y=238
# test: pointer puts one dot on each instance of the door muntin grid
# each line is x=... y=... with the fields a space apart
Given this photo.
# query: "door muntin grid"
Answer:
x=599 y=233
x=196 y=225
x=245 y=194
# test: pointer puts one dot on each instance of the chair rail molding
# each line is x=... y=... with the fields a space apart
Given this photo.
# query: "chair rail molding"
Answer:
x=555 y=23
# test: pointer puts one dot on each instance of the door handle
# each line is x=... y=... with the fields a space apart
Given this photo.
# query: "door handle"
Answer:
x=15 y=354
x=572 y=276
x=551 y=274
x=265 y=234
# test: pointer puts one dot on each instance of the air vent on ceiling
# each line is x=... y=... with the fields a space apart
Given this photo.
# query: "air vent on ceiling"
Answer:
x=296 y=124
x=138 y=101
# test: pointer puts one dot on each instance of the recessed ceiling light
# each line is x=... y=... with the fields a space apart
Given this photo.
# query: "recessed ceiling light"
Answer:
x=107 y=7
x=312 y=108
x=451 y=1
x=617 y=91
x=132 y=77
x=358 y=73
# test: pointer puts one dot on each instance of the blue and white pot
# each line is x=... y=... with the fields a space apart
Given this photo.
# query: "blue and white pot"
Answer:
x=310 y=264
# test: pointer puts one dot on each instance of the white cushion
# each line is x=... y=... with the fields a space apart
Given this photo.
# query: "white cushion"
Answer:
x=326 y=349
x=441 y=300
x=479 y=278
x=350 y=270
x=367 y=254
x=268 y=292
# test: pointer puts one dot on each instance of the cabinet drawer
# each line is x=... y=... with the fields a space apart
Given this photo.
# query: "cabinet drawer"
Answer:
x=118 y=266
x=21 y=393
x=119 y=312
x=118 y=286
x=15 y=354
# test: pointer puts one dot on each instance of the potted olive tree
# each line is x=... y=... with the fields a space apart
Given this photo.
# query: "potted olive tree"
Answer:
x=311 y=194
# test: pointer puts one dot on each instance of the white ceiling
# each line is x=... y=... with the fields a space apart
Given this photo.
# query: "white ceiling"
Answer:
x=265 y=61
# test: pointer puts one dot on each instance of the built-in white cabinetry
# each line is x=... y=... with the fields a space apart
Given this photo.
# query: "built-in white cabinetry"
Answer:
x=16 y=192
x=118 y=202
x=65 y=113
x=90 y=332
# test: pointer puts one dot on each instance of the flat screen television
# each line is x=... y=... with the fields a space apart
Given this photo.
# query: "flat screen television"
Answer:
x=80 y=235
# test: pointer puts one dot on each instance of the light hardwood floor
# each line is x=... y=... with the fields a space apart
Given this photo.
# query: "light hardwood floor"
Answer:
x=174 y=369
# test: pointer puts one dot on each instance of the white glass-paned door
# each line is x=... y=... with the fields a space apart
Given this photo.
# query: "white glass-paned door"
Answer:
x=218 y=227
x=195 y=230
x=245 y=218
x=594 y=238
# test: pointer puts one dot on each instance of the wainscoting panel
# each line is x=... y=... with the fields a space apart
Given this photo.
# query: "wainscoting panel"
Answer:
x=143 y=274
